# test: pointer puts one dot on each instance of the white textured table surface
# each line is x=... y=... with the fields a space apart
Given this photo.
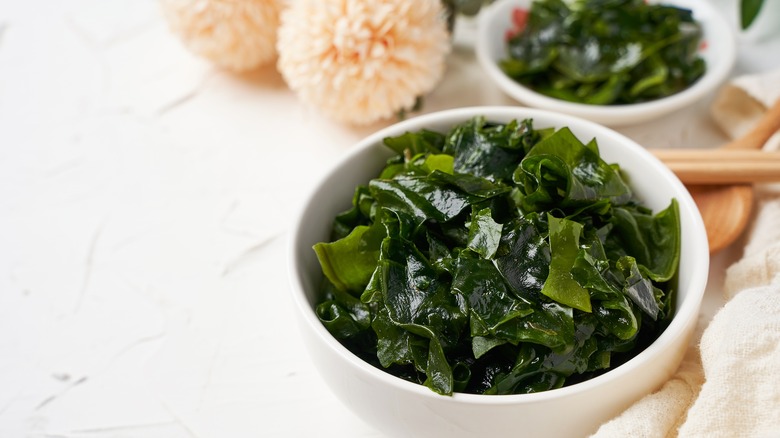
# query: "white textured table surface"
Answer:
x=146 y=200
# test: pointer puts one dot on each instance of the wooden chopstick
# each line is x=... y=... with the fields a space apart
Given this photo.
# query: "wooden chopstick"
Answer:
x=721 y=166
x=666 y=155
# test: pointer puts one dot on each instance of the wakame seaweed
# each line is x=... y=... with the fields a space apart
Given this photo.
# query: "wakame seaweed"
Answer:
x=604 y=52
x=498 y=259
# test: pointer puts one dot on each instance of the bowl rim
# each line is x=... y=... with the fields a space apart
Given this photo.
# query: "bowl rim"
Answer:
x=684 y=313
x=715 y=26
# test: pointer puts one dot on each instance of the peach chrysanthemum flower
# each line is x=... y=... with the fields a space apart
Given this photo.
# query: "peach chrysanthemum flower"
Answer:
x=360 y=61
x=235 y=34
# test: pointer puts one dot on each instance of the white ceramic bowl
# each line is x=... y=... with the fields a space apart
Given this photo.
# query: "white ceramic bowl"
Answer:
x=719 y=53
x=401 y=408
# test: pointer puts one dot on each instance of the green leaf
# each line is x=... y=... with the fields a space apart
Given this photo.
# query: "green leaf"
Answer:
x=654 y=240
x=617 y=318
x=420 y=197
x=638 y=287
x=415 y=298
x=561 y=171
x=597 y=52
x=480 y=345
x=441 y=162
x=337 y=320
x=438 y=370
x=748 y=11
x=485 y=150
x=396 y=346
x=357 y=215
x=349 y=262
x=550 y=325
x=564 y=248
x=523 y=257
x=438 y=196
x=484 y=234
x=415 y=143
x=528 y=375
x=591 y=269
x=489 y=300
x=461 y=375
x=656 y=76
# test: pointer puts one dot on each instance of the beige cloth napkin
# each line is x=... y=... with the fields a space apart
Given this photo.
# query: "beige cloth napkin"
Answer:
x=730 y=385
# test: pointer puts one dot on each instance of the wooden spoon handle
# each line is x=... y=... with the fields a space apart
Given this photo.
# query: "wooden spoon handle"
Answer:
x=763 y=129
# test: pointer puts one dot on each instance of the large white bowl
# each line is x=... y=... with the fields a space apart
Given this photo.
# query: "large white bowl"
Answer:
x=719 y=52
x=404 y=409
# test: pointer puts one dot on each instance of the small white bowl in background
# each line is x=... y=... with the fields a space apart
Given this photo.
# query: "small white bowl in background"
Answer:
x=401 y=408
x=719 y=53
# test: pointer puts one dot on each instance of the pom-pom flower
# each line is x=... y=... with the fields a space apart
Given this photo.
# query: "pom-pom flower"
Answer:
x=235 y=34
x=362 y=60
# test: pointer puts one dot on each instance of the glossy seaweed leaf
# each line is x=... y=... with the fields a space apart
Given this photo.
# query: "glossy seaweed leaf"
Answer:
x=415 y=297
x=417 y=301
x=550 y=325
x=359 y=214
x=337 y=320
x=562 y=172
x=528 y=56
x=523 y=256
x=497 y=259
x=397 y=346
x=438 y=196
x=605 y=52
x=349 y=262
x=488 y=150
x=617 y=318
x=490 y=300
x=560 y=285
x=414 y=143
x=484 y=233
x=653 y=240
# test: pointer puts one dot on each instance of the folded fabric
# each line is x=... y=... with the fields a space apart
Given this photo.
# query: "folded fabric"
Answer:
x=740 y=104
x=740 y=353
x=730 y=386
x=761 y=259
x=660 y=414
